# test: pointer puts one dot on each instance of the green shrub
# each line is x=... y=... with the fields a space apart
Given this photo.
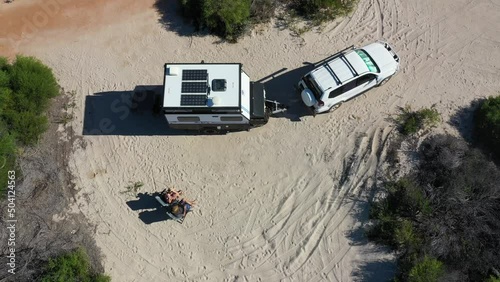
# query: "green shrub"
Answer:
x=320 y=11
x=226 y=18
x=73 y=266
x=428 y=270
x=487 y=124
x=5 y=99
x=395 y=215
x=7 y=157
x=33 y=84
x=262 y=10
x=231 y=18
x=26 y=126
x=406 y=236
x=4 y=78
x=411 y=122
x=406 y=199
x=448 y=208
x=26 y=87
x=493 y=279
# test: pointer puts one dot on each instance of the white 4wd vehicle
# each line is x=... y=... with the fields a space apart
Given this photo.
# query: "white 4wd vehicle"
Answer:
x=347 y=74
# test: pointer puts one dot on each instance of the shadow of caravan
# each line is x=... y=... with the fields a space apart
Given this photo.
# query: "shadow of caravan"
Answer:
x=195 y=99
x=135 y=112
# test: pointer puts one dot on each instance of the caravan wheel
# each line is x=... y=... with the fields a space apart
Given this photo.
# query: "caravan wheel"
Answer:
x=210 y=131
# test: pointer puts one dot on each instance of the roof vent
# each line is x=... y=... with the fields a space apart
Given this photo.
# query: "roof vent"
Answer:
x=173 y=71
x=219 y=85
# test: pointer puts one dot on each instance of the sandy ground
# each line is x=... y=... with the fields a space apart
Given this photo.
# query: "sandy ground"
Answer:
x=287 y=201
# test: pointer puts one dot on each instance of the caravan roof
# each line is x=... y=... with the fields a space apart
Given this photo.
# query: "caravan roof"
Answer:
x=202 y=85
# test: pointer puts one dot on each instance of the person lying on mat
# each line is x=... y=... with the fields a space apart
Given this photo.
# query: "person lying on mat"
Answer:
x=182 y=207
x=171 y=196
x=186 y=205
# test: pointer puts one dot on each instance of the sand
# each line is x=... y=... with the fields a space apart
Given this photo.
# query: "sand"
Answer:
x=287 y=201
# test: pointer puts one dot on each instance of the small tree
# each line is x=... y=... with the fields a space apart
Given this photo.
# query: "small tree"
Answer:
x=410 y=122
x=321 y=10
x=72 y=266
x=226 y=18
x=487 y=124
x=428 y=270
x=26 y=87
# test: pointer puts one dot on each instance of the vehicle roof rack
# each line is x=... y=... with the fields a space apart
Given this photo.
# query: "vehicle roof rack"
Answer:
x=351 y=68
x=339 y=53
x=330 y=70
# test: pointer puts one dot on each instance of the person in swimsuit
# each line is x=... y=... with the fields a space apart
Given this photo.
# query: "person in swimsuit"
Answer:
x=172 y=196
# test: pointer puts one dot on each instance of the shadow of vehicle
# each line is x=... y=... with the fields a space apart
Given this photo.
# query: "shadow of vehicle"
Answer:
x=135 y=112
x=152 y=211
x=280 y=87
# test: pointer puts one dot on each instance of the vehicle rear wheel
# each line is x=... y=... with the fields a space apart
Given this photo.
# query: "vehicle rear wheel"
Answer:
x=384 y=81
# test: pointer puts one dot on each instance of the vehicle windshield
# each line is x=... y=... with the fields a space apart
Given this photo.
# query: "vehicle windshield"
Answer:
x=370 y=64
x=311 y=84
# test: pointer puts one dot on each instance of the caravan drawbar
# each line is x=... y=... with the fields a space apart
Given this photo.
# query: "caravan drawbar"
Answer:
x=214 y=98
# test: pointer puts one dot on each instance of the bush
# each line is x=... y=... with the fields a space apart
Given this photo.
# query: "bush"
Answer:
x=7 y=157
x=493 y=279
x=226 y=18
x=73 y=266
x=428 y=270
x=262 y=10
x=411 y=122
x=231 y=18
x=448 y=209
x=487 y=124
x=26 y=87
x=395 y=214
x=27 y=126
x=462 y=185
x=405 y=198
x=406 y=236
x=33 y=84
x=320 y=11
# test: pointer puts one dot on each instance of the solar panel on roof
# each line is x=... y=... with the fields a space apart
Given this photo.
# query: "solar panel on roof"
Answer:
x=194 y=75
x=193 y=100
x=194 y=87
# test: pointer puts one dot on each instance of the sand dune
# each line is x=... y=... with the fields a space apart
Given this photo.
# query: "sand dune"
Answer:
x=283 y=202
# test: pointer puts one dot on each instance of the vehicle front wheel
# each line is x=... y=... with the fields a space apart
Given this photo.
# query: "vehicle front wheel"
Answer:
x=336 y=106
x=384 y=81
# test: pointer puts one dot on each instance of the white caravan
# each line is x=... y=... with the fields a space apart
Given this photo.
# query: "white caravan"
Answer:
x=214 y=98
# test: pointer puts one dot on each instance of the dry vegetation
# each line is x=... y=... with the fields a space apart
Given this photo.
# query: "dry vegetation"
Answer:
x=443 y=218
x=230 y=19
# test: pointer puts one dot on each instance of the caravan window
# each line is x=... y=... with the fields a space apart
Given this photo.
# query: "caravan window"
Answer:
x=188 y=119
